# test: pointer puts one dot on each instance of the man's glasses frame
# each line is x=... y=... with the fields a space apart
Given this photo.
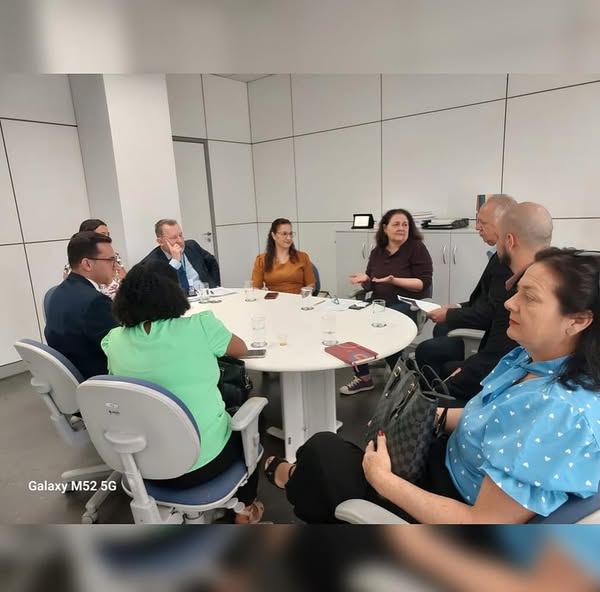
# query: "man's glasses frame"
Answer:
x=113 y=259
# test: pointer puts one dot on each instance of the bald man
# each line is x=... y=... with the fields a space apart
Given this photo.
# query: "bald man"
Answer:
x=445 y=354
x=523 y=230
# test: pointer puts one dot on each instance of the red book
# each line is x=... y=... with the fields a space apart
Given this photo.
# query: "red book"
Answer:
x=351 y=353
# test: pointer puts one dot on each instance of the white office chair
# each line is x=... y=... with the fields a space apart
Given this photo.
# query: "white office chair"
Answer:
x=471 y=337
x=574 y=511
x=149 y=435
x=56 y=379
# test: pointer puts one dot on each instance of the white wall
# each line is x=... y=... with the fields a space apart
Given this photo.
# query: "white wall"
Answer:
x=43 y=198
x=327 y=146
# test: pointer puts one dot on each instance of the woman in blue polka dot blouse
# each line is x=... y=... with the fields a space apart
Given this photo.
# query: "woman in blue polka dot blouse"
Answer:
x=521 y=447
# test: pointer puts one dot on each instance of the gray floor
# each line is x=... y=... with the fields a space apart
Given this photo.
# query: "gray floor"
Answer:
x=31 y=450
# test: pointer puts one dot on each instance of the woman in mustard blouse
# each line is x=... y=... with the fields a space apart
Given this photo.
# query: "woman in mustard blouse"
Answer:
x=281 y=268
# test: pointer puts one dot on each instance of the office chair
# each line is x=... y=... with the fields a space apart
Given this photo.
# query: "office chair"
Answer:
x=317 y=290
x=471 y=338
x=56 y=379
x=147 y=433
x=574 y=511
x=47 y=298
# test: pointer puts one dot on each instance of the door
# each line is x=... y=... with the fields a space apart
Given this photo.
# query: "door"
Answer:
x=352 y=253
x=195 y=200
x=467 y=261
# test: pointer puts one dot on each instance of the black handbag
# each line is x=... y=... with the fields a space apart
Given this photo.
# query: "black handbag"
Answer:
x=406 y=413
x=234 y=383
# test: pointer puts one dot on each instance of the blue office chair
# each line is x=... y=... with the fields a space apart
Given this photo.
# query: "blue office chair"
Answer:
x=56 y=380
x=147 y=433
x=47 y=298
x=574 y=510
x=317 y=290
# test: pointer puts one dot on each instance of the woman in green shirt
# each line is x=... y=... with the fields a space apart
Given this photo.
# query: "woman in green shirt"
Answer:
x=156 y=343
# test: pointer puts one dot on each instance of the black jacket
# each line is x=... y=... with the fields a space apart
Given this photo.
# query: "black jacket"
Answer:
x=78 y=317
x=205 y=264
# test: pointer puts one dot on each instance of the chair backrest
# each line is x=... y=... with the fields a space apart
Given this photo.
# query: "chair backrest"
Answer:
x=317 y=280
x=50 y=367
x=572 y=511
x=130 y=410
x=47 y=298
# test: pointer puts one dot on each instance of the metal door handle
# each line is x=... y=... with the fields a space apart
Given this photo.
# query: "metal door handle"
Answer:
x=444 y=255
x=364 y=246
x=207 y=234
x=454 y=254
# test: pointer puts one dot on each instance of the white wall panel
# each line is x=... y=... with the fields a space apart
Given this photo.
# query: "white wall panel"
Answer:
x=38 y=97
x=270 y=107
x=441 y=161
x=403 y=94
x=338 y=173
x=238 y=247
x=9 y=222
x=17 y=313
x=45 y=161
x=226 y=106
x=322 y=102
x=232 y=182
x=525 y=83
x=274 y=180
x=46 y=263
x=186 y=105
x=581 y=234
x=553 y=148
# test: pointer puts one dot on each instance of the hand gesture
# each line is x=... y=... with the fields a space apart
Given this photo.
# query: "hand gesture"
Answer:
x=388 y=279
x=359 y=278
x=174 y=250
x=376 y=462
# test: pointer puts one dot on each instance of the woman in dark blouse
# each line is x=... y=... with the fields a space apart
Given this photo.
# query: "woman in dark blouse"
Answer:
x=399 y=265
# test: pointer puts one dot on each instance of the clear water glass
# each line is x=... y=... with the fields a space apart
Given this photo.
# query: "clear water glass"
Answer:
x=378 y=311
x=249 y=293
x=328 y=324
x=203 y=295
x=259 y=331
x=306 y=294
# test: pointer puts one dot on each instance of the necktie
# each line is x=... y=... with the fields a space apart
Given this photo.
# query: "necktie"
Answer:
x=183 y=280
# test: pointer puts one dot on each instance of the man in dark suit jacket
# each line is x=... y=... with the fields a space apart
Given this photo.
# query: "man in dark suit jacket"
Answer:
x=484 y=310
x=78 y=314
x=195 y=266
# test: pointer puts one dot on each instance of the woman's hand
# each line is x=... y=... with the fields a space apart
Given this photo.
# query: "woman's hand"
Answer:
x=376 y=463
x=359 y=278
x=388 y=279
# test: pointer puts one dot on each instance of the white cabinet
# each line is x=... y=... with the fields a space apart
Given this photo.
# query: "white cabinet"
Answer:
x=352 y=249
x=459 y=257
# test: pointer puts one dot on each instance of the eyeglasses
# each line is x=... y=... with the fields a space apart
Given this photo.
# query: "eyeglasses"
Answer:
x=113 y=260
x=286 y=234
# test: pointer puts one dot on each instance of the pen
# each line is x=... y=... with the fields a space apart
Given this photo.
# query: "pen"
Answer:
x=320 y=302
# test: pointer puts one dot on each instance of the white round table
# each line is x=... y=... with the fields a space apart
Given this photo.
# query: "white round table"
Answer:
x=307 y=371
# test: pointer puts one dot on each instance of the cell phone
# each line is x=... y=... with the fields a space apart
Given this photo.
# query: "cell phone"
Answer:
x=359 y=306
x=271 y=295
x=255 y=353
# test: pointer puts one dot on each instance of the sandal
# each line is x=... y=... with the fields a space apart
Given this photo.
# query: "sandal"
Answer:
x=251 y=514
x=270 y=469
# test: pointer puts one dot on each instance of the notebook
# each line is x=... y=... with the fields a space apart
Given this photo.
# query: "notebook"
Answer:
x=351 y=353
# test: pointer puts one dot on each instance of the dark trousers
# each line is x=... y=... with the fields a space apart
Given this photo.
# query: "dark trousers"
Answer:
x=232 y=452
x=443 y=354
x=329 y=471
x=403 y=307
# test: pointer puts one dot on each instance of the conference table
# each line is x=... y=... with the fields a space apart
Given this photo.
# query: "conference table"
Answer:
x=307 y=372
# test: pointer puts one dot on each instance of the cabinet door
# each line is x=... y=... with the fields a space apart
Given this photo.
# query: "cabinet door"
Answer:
x=352 y=253
x=468 y=259
x=438 y=245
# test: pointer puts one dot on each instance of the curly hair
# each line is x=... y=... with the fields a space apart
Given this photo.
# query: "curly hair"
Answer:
x=149 y=292
x=578 y=291
x=270 y=250
x=381 y=238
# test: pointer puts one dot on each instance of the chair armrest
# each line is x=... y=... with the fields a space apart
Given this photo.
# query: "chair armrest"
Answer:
x=357 y=511
x=245 y=421
x=467 y=333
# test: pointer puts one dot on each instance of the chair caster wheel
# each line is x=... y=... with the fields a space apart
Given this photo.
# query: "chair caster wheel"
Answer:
x=89 y=518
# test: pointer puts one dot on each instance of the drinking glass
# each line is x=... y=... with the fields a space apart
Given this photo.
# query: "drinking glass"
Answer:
x=249 y=294
x=306 y=293
x=378 y=309
x=328 y=329
x=259 y=331
x=203 y=295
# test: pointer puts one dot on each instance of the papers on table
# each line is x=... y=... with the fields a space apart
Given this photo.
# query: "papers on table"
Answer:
x=424 y=305
x=214 y=293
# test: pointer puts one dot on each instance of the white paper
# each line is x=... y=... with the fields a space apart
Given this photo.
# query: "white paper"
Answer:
x=424 y=305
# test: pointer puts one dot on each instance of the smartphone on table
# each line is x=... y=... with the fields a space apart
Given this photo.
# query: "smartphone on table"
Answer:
x=255 y=353
x=271 y=295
